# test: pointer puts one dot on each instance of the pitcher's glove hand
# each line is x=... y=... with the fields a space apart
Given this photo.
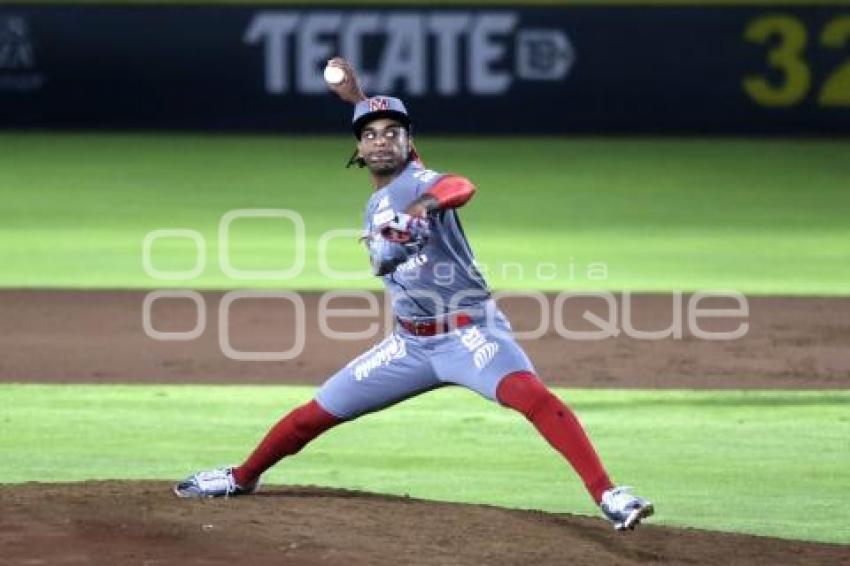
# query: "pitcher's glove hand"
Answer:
x=406 y=229
x=394 y=242
x=386 y=256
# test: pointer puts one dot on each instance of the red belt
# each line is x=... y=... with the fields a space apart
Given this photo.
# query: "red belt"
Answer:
x=435 y=326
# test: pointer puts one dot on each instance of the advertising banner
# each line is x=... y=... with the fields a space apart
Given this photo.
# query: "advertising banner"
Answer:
x=545 y=69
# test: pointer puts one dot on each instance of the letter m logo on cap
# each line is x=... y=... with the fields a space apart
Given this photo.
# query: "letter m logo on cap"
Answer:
x=377 y=103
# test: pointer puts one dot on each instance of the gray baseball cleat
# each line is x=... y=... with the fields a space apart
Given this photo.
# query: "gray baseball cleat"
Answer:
x=214 y=483
x=624 y=509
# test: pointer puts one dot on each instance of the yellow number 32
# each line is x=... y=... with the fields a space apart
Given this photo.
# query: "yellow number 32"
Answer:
x=787 y=56
x=836 y=89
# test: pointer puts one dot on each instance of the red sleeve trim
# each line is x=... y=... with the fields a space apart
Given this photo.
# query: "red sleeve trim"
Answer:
x=452 y=191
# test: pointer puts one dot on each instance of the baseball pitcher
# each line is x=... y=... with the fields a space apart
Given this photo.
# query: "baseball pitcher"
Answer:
x=448 y=329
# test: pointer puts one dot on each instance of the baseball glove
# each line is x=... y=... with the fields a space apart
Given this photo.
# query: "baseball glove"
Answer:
x=404 y=229
x=394 y=242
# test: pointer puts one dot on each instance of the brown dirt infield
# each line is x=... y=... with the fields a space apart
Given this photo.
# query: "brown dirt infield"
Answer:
x=88 y=336
x=97 y=337
x=141 y=523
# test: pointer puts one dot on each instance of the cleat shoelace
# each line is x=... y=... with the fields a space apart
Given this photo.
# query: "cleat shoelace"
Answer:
x=214 y=481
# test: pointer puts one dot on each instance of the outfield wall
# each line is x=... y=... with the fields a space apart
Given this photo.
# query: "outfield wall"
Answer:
x=682 y=69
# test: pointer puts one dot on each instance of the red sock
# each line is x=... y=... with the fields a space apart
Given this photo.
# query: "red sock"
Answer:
x=285 y=438
x=524 y=392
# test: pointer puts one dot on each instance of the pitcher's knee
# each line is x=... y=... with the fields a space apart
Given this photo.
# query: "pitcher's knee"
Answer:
x=524 y=392
x=311 y=419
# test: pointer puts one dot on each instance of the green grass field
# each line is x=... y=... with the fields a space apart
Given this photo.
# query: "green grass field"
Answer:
x=772 y=463
x=758 y=216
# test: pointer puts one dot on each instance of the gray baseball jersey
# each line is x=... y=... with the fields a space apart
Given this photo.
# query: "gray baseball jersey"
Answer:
x=440 y=279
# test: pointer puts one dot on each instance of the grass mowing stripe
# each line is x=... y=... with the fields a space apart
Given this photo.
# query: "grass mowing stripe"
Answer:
x=771 y=463
x=759 y=216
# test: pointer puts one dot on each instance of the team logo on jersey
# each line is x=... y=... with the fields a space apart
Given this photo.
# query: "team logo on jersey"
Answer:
x=412 y=263
x=425 y=175
x=383 y=212
x=377 y=103
x=378 y=356
x=485 y=354
x=383 y=217
x=482 y=351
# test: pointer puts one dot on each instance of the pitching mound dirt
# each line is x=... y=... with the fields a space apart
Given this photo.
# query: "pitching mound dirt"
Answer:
x=109 y=523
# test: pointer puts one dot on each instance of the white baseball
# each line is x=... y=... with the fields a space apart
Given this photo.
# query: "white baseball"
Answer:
x=334 y=75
